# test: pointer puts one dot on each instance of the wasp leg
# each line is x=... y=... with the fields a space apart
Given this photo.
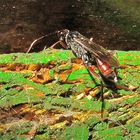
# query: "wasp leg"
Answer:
x=91 y=70
x=34 y=42
x=59 y=42
x=52 y=47
x=125 y=87
x=102 y=99
x=63 y=45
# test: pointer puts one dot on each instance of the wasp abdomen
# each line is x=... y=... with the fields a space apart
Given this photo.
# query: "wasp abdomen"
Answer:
x=106 y=70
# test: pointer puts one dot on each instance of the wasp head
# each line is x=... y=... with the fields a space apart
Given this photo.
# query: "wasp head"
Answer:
x=68 y=37
x=62 y=34
x=67 y=34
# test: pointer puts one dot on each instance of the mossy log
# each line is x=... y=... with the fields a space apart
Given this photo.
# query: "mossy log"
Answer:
x=51 y=95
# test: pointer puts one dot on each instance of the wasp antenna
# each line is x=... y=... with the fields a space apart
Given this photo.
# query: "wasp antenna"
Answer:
x=42 y=37
x=32 y=45
x=102 y=99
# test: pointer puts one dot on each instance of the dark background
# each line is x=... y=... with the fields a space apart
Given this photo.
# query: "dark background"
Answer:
x=114 y=24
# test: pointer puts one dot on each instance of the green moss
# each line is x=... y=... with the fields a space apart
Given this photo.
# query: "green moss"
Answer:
x=51 y=72
x=67 y=66
x=76 y=132
x=101 y=126
x=108 y=134
x=48 y=89
x=45 y=136
x=80 y=74
x=129 y=57
x=113 y=138
x=92 y=121
x=47 y=56
x=60 y=96
x=132 y=100
x=16 y=130
x=36 y=58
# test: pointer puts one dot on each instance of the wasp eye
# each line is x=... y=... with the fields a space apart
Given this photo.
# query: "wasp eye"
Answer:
x=58 y=31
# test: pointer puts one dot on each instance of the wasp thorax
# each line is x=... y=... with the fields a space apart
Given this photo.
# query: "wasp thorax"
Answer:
x=74 y=34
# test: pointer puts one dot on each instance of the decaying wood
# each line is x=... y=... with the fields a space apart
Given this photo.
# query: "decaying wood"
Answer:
x=51 y=95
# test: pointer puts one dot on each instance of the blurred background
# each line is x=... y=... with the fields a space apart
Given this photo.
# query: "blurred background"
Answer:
x=114 y=24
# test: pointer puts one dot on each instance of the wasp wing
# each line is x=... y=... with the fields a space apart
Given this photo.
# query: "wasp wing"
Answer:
x=97 y=50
